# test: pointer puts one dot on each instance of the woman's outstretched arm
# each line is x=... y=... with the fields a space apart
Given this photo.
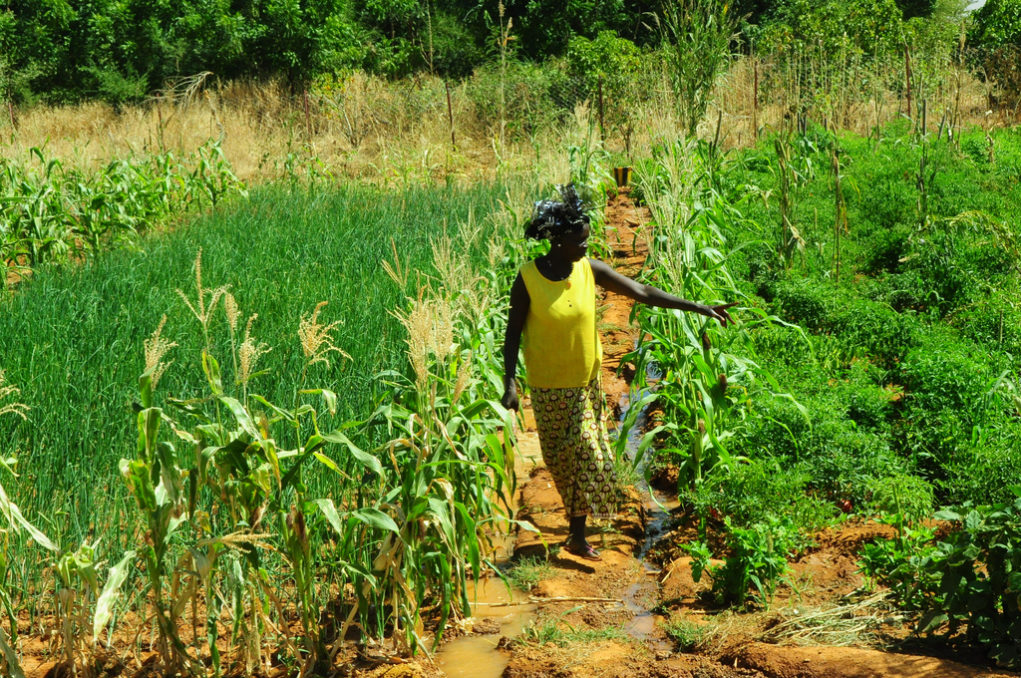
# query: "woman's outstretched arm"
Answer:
x=519 y=302
x=609 y=279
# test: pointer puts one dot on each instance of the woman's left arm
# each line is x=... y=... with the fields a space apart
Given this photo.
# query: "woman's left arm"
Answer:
x=609 y=279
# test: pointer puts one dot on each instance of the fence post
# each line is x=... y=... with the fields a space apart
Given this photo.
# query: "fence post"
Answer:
x=755 y=101
x=907 y=78
x=450 y=116
x=308 y=117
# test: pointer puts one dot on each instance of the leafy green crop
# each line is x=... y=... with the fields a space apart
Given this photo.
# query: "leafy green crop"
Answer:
x=979 y=572
x=968 y=582
x=48 y=212
x=756 y=560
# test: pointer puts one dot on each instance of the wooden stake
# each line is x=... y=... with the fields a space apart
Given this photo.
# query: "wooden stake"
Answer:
x=308 y=117
x=907 y=79
x=755 y=102
x=450 y=116
x=602 y=130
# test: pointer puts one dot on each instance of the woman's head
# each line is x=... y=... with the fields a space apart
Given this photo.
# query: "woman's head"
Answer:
x=552 y=219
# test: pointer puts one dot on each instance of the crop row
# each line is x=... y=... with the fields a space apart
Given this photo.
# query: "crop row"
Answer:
x=49 y=212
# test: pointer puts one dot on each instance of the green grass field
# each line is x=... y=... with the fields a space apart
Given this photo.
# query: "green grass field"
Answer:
x=72 y=337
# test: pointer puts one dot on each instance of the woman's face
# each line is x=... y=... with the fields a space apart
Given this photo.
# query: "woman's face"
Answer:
x=573 y=246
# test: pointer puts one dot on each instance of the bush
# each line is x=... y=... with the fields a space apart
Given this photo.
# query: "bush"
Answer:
x=535 y=97
x=985 y=471
x=945 y=373
x=831 y=25
x=843 y=460
x=970 y=581
x=953 y=399
x=994 y=321
x=837 y=456
x=757 y=559
x=996 y=23
x=883 y=249
x=906 y=496
x=762 y=489
x=863 y=328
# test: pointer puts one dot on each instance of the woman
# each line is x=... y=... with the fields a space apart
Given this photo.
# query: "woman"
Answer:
x=553 y=304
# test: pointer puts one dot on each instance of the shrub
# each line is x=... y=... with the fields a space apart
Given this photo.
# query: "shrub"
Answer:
x=843 y=459
x=831 y=25
x=960 y=259
x=838 y=456
x=883 y=249
x=978 y=569
x=945 y=373
x=535 y=97
x=994 y=321
x=907 y=496
x=985 y=471
x=761 y=489
x=757 y=559
x=862 y=327
x=953 y=398
x=996 y=23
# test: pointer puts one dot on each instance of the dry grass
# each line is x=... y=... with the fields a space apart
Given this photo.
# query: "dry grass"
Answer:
x=397 y=132
x=846 y=623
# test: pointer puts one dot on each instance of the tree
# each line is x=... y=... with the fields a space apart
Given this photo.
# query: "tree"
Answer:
x=996 y=24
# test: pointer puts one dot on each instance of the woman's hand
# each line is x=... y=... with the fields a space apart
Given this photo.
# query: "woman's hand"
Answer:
x=719 y=312
x=510 y=397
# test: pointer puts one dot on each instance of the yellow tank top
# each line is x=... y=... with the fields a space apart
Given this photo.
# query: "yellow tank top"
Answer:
x=562 y=347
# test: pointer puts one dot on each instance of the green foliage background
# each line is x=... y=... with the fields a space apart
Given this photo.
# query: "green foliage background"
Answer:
x=122 y=51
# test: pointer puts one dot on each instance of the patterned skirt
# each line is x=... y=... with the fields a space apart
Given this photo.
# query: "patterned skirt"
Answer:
x=576 y=449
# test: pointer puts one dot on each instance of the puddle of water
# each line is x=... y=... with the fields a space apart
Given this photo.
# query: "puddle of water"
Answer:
x=476 y=656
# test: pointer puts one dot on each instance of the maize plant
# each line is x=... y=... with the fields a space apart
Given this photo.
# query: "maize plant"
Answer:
x=231 y=518
x=449 y=477
x=83 y=611
x=49 y=211
x=704 y=382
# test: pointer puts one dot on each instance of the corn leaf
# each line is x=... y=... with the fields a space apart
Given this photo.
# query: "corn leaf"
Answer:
x=15 y=518
x=329 y=511
x=364 y=458
x=375 y=518
x=242 y=416
x=111 y=590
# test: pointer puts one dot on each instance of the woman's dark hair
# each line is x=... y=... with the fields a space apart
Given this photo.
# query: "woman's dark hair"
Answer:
x=555 y=217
